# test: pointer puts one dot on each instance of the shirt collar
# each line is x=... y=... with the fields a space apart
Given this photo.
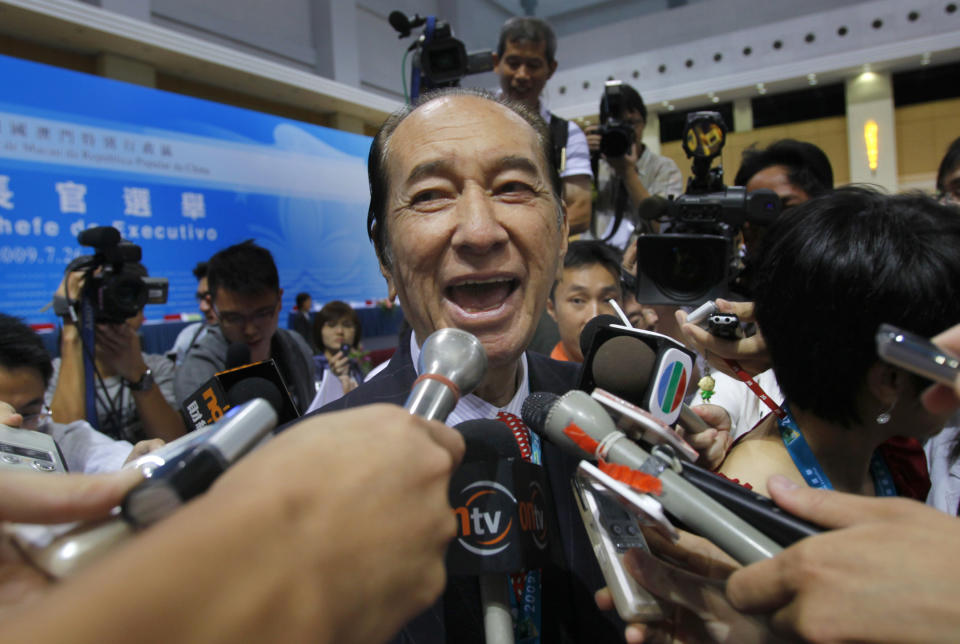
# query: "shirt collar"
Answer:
x=471 y=407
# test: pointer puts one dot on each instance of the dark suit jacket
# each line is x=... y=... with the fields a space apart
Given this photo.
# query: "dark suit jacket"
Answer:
x=303 y=324
x=569 y=612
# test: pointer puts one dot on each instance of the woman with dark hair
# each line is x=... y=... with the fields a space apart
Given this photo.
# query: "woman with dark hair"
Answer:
x=336 y=332
x=825 y=278
x=948 y=176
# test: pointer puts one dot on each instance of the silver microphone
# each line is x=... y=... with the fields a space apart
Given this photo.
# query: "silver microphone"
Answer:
x=452 y=363
x=554 y=416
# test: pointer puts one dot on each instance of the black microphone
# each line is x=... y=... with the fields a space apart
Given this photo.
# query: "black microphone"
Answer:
x=646 y=368
x=255 y=387
x=452 y=363
x=399 y=21
x=580 y=425
x=214 y=397
x=500 y=503
x=590 y=330
x=238 y=355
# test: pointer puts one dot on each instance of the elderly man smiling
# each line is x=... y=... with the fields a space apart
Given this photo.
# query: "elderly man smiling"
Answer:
x=470 y=230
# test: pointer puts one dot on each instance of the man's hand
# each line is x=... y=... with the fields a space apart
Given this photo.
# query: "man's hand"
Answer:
x=9 y=416
x=361 y=497
x=144 y=447
x=940 y=398
x=118 y=346
x=750 y=352
x=32 y=497
x=625 y=164
x=713 y=443
x=887 y=572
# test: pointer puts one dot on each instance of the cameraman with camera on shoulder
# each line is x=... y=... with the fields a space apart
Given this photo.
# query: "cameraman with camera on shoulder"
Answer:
x=133 y=390
x=628 y=171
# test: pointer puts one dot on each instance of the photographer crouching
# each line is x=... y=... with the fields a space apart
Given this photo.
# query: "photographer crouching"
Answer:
x=102 y=375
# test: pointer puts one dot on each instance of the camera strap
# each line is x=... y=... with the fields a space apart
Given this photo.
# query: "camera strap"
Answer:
x=87 y=326
x=559 y=132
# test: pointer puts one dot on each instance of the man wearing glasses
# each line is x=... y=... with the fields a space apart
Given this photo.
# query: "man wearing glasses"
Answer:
x=25 y=371
x=192 y=333
x=623 y=182
x=246 y=297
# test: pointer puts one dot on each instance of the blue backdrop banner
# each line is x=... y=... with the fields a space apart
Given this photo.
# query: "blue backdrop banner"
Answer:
x=179 y=176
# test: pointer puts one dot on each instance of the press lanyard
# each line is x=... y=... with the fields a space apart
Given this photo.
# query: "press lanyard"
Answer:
x=807 y=463
x=526 y=598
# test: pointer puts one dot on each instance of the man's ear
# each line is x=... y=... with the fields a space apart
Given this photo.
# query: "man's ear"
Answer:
x=885 y=382
x=551 y=308
x=553 y=68
x=496 y=61
x=391 y=284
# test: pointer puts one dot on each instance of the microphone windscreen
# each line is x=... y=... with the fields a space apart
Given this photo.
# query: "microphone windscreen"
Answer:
x=99 y=236
x=535 y=409
x=590 y=330
x=238 y=355
x=487 y=440
x=250 y=388
x=399 y=21
x=623 y=366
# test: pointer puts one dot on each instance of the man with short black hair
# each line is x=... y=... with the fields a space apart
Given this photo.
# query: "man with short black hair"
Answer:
x=246 y=297
x=193 y=332
x=590 y=279
x=25 y=372
x=525 y=61
x=470 y=231
x=302 y=322
x=796 y=170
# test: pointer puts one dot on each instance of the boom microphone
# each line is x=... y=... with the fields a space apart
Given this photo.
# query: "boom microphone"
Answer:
x=452 y=363
x=580 y=425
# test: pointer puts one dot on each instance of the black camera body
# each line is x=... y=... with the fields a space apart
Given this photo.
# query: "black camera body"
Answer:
x=616 y=136
x=439 y=59
x=115 y=286
x=698 y=259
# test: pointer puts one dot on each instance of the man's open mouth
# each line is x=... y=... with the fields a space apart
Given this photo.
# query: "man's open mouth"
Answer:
x=481 y=295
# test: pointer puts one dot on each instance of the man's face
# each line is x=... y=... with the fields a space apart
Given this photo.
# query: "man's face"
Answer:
x=524 y=71
x=203 y=301
x=22 y=388
x=472 y=224
x=250 y=319
x=775 y=178
x=581 y=295
x=635 y=120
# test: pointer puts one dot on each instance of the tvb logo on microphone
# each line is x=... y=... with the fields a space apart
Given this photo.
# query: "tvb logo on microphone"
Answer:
x=501 y=511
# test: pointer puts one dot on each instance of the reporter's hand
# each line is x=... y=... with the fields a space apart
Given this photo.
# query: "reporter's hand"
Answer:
x=712 y=444
x=750 y=352
x=623 y=164
x=939 y=398
x=887 y=572
x=118 y=345
x=32 y=497
x=593 y=135
x=144 y=447
x=361 y=498
x=9 y=416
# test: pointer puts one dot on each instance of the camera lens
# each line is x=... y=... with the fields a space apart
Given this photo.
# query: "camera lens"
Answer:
x=685 y=268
